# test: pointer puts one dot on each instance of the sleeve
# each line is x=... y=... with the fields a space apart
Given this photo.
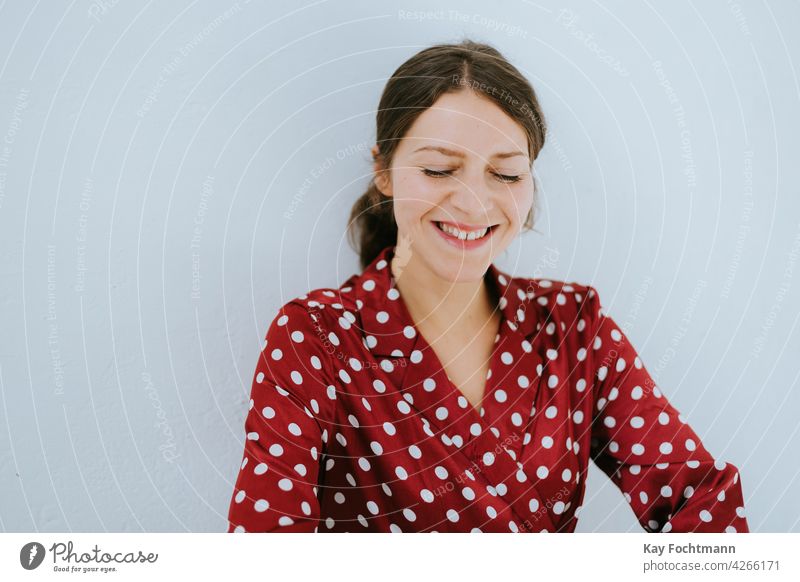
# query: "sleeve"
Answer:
x=286 y=430
x=644 y=445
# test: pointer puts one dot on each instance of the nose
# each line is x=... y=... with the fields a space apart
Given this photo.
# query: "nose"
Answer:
x=470 y=202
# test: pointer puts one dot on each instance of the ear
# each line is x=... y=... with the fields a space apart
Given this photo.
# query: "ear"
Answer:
x=382 y=178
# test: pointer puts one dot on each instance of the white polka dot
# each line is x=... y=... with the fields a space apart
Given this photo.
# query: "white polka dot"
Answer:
x=506 y=358
x=551 y=412
x=558 y=507
x=240 y=496
x=426 y=495
x=523 y=381
x=547 y=442
x=516 y=419
x=277 y=354
x=401 y=473
x=416 y=357
x=663 y=418
x=488 y=458
x=690 y=445
x=705 y=515
x=552 y=381
x=409 y=332
x=294 y=429
x=283 y=319
x=382 y=317
x=268 y=412
x=429 y=384
x=552 y=354
x=376 y=447
x=441 y=413
x=475 y=429
x=409 y=515
x=542 y=472
x=297 y=336
x=452 y=515
x=665 y=448
x=500 y=395
x=415 y=451
x=637 y=422
x=260 y=469
x=389 y=428
x=261 y=505
x=637 y=449
x=666 y=491
x=297 y=378
x=441 y=472
x=285 y=484
x=276 y=450
x=637 y=392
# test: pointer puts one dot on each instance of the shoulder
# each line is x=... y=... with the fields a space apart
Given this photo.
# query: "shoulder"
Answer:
x=317 y=310
x=565 y=301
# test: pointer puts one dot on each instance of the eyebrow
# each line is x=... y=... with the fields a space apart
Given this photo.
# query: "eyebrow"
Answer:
x=457 y=154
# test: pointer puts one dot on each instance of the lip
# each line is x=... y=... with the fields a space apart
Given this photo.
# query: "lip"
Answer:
x=463 y=225
x=463 y=244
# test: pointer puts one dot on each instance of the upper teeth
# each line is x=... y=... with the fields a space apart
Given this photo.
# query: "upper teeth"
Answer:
x=462 y=234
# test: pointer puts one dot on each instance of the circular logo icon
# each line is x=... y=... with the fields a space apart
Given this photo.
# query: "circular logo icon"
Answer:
x=31 y=555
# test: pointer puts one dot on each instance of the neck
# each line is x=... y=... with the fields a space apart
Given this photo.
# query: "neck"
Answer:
x=443 y=307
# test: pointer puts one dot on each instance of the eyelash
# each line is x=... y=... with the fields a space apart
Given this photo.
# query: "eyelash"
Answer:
x=445 y=173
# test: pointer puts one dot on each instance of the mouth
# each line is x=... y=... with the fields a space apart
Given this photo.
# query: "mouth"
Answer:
x=464 y=236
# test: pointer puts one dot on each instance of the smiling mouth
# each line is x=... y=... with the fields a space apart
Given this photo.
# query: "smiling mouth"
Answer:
x=462 y=234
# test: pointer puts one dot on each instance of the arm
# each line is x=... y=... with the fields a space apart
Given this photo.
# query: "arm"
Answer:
x=642 y=443
x=276 y=488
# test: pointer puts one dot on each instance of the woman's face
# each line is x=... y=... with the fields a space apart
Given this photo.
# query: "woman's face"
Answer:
x=463 y=166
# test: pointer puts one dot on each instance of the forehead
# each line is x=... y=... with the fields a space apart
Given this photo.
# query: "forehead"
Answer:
x=468 y=122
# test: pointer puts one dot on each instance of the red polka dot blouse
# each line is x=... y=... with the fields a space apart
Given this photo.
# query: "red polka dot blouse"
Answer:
x=354 y=425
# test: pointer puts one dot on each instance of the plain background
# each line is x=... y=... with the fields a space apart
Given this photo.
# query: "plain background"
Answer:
x=171 y=173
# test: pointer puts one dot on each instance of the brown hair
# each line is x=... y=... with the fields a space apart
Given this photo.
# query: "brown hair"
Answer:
x=413 y=88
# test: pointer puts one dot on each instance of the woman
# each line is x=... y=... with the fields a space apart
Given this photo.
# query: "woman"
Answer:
x=434 y=392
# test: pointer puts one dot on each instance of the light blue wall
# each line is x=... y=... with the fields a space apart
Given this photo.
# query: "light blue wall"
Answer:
x=164 y=189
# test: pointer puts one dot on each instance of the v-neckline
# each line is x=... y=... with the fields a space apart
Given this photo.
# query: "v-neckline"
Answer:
x=423 y=345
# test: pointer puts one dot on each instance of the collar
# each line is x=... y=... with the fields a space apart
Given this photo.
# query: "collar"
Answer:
x=387 y=326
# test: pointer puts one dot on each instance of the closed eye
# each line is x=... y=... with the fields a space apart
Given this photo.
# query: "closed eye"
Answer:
x=437 y=173
x=445 y=173
x=508 y=179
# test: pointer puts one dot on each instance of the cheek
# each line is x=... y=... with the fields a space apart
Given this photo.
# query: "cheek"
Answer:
x=519 y=202
x=414 y=197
